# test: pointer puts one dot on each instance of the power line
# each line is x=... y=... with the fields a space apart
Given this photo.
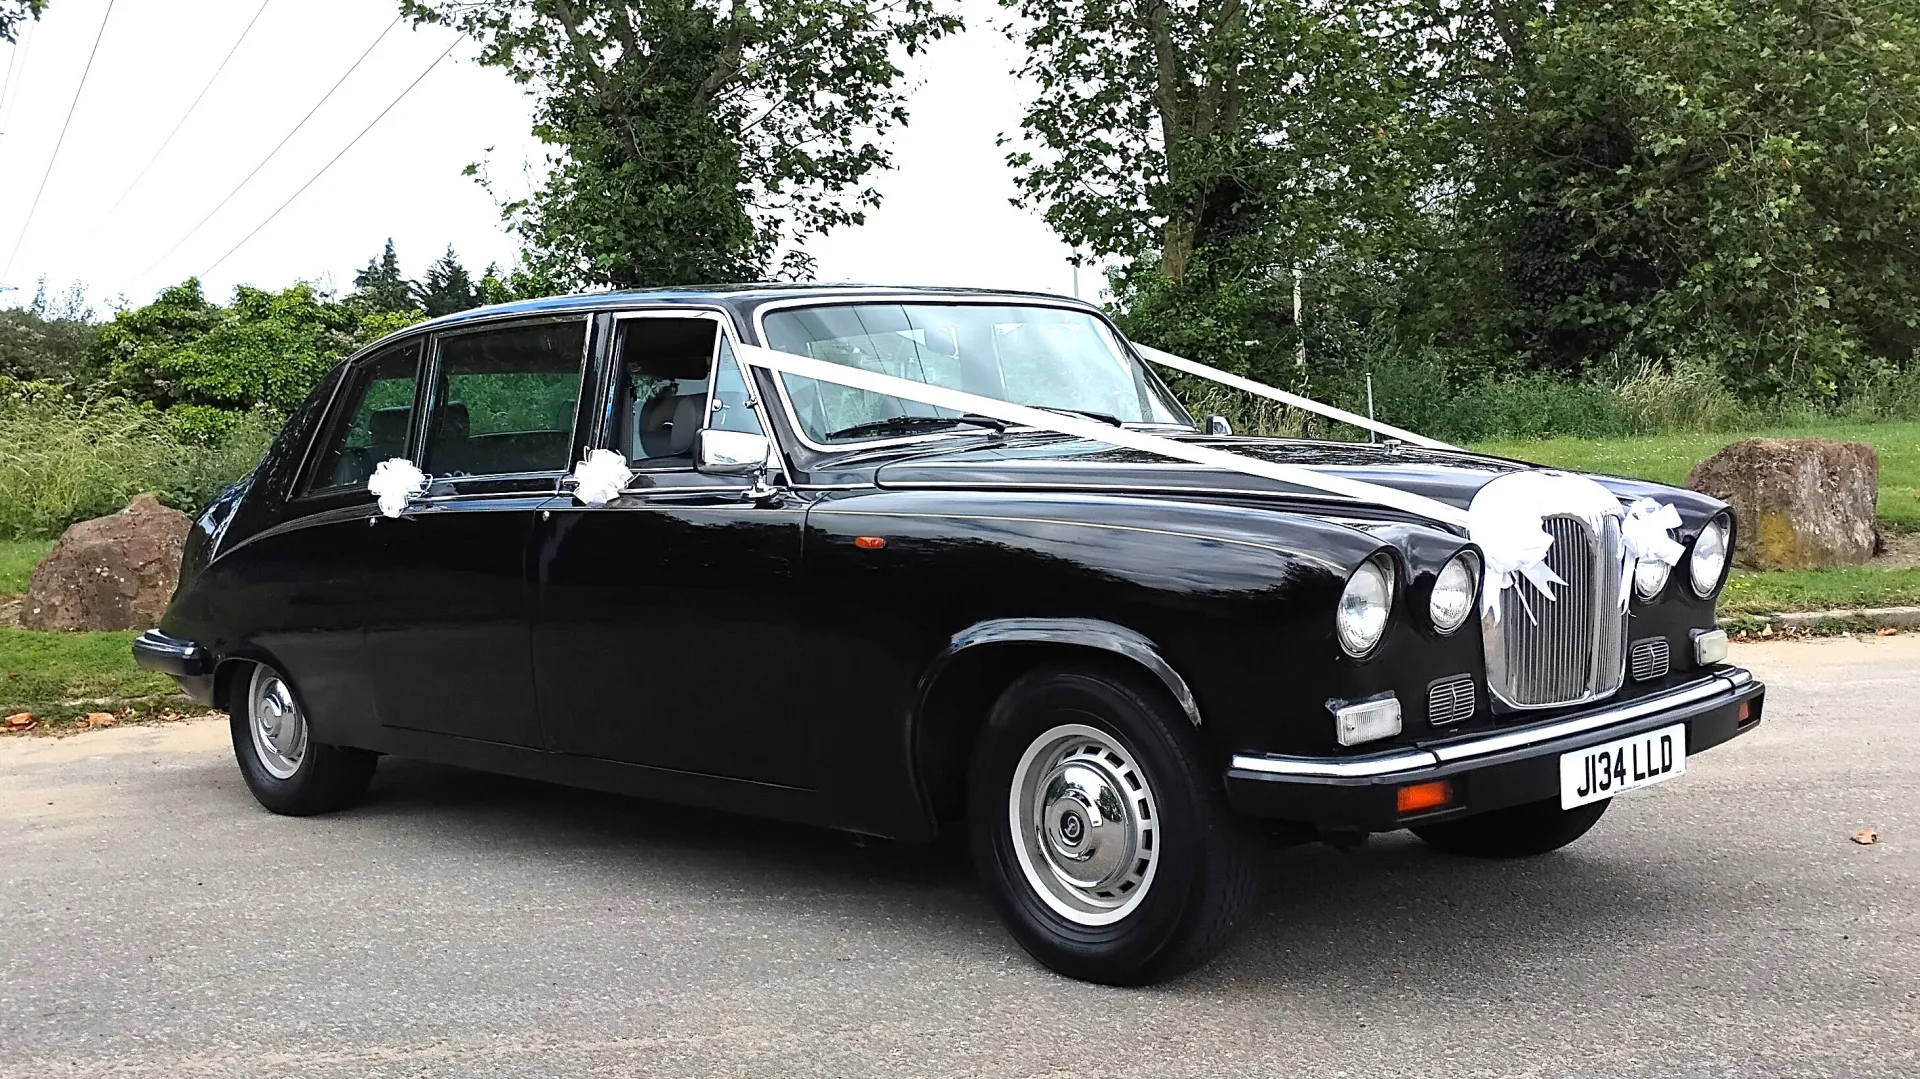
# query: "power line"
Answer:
x=343 y=152
x=168 y=141
x=19 y=57
x=59 y=142
x=271 y=153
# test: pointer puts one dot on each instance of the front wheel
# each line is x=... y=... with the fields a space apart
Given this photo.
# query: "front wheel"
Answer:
x=1520 y=831
x=1105 y=843
x=287 y=771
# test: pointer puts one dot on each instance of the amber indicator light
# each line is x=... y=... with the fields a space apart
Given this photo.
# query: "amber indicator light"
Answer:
x=869 y=543
x=1423 y=796
x=1746 y=711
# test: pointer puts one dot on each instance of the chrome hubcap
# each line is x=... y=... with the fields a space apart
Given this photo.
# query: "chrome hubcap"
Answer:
x=1084 y=824
x=279 y=728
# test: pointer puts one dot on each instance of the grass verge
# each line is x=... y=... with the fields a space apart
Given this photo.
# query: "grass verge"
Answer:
x=1851 y=587
x=60 y=677
x=1668 y=458
x=17 y=559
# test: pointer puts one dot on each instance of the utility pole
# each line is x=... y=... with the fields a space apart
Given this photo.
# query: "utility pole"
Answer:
x=1299 y=326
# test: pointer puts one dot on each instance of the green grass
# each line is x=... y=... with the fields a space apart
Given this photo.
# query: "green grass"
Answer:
x=1668 y=458
x=44 y=672
x=1820 y=590
x=17 y=559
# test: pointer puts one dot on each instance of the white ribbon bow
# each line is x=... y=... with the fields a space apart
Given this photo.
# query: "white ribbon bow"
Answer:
x=396 y=482
x=1506 y=519
x=600 y=478
x=1643 y=535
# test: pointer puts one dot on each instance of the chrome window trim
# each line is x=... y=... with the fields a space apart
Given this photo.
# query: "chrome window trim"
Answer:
x=970 y=300
x=1415 y=760
x=417 y=433
x=727 y=329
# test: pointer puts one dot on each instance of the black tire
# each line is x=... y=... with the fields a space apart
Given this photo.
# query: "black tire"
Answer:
x=323 y=777
x=1202 y=877
x=1520 y=831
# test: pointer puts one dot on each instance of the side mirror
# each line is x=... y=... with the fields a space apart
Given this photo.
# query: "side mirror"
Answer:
x=730 y=453
x=1216 y=424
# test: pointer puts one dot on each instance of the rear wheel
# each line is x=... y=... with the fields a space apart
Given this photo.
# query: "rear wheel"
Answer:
x=1105 y=843
x=287 y=771
x=1520 y=831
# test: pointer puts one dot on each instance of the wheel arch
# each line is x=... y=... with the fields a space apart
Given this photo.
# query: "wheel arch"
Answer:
x=979 y=662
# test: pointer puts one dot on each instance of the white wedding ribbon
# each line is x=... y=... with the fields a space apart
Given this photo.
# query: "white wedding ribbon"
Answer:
x=1096 y=431
x=1644 y=536
x=1505 y=520
x=1259 y=389
x=601 y=477
x=396 y=482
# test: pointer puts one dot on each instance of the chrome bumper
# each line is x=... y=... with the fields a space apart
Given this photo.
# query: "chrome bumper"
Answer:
x=1727 y=685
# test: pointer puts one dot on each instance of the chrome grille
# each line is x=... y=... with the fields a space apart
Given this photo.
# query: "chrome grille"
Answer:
x=1648 y=659
x=1450 y=700
x=1543 y=653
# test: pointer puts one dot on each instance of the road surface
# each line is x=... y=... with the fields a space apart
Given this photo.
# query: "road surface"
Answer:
x=154 y=921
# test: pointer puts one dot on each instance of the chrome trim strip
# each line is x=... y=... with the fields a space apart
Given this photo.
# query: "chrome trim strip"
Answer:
x=1305 y=556
x=1413 y=760
x=1021 y=485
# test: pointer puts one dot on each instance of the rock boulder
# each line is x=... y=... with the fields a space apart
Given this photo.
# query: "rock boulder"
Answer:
x=114 y=572
x=1802 y=503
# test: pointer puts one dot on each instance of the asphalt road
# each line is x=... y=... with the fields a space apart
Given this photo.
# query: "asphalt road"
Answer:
x=153 y=920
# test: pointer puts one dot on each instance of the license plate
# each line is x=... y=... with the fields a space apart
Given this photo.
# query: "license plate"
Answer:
x=1602 y=771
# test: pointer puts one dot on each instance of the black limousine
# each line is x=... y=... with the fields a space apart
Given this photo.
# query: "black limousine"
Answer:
x=886 y=560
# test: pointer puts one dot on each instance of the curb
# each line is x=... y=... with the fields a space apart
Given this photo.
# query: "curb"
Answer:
x=1867 y=618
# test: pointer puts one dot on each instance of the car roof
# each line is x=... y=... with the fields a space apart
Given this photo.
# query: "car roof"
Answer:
x=740 y=299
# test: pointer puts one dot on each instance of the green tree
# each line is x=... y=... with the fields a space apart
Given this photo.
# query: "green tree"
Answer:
x=267 y=348
x=447 y=287
x=696 y=140
x=14 y=12
x=382 y=287
x=1213 y=147
x=49 y=340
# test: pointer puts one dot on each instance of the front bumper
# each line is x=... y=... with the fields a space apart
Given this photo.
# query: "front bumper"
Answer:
x=1491 y=770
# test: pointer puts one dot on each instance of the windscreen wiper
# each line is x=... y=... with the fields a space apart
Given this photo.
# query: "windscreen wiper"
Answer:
x=1103 y=417
x=914 y=423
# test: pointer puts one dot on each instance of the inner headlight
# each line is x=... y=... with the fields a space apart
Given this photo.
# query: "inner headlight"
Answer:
x=1453 y=591
x=1364 y=606
x=1649 y=577
x=1709 y=558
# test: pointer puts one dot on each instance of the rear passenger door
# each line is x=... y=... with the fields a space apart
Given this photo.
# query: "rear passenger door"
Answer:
x=448 y=628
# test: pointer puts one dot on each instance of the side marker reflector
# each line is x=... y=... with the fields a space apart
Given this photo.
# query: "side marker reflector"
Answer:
x=1419 y=797
x=869 y=543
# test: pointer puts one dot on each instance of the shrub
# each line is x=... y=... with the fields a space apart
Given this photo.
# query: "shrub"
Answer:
x=65 y=459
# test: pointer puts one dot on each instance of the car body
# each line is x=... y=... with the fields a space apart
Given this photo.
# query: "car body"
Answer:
x=774 y=618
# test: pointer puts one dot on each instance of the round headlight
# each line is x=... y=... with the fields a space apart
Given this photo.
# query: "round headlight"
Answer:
x=1364 y=607
x=1709 y=558
x=1453 y=591
x=1649 y=577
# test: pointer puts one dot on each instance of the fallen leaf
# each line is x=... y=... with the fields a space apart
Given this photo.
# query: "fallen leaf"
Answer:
x=1866 y=837
x=19 y=721
x=1885 y=631
x=99 y=719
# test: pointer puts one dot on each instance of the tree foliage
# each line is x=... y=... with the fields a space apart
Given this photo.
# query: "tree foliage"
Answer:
x=448 y=287
x=15 y=12
x=1589 y=188
x=696 y=140
x=382 y=286
x=265 y=349
x=49 y=340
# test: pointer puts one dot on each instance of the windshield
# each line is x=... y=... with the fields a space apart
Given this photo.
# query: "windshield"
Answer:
x=1044 y=357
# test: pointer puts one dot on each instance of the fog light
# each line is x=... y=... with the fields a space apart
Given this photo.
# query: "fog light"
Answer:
x=1424 y=796
x=1709 y=646
x=1367 y=721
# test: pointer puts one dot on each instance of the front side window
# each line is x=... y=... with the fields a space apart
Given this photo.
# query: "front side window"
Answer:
x=505 y=400
x=377 y=408
x=673 y=377
x=1044 y=357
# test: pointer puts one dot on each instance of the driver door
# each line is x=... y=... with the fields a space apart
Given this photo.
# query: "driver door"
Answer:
x=663 y=620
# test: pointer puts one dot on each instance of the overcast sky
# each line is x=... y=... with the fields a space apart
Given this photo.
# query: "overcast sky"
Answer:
x=945 y=220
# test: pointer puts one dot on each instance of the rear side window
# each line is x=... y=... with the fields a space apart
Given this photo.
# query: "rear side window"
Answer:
x=506 y=399
x=374 y=420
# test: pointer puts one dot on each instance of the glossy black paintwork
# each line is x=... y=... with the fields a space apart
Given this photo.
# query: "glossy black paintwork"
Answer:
x=688 y=642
